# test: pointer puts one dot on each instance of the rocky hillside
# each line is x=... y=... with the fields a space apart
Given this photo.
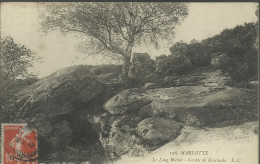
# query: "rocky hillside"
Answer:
x=83 y=117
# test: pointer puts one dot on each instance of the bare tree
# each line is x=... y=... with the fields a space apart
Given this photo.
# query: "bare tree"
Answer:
x=114 y=28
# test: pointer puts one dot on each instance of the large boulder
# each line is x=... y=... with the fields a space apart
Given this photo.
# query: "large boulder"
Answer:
x=158 y=130
x=127 y=101
x=56 y=94
x=47 y=106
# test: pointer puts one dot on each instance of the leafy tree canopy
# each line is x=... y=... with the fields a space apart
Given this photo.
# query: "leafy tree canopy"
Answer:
x=114 y=28
x=16 y=59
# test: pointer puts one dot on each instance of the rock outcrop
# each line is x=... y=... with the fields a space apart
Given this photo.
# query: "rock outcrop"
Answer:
x=44 y=104
x=95 y=118
x=194 y=105
x=56 y=94
x=204 y=105
x=161 y=113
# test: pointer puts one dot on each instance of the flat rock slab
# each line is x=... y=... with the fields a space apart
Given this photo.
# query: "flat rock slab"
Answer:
x=194 y=105
x=55 y=94
x=199 y=106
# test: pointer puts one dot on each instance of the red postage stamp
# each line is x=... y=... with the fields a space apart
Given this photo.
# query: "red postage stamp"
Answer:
x=19 y=144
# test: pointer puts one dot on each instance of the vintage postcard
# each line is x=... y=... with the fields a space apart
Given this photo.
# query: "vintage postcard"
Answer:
x=129 y=82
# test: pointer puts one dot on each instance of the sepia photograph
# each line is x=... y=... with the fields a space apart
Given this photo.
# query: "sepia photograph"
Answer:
x=129 y=82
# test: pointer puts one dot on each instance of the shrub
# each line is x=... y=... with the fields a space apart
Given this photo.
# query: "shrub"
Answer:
x=240 y=67
x=161 y=63
x=168 y=65
x=141 y=65
x=233 y=51
x=179 y=48
x=198 y=53
x=238 y=45
x=8 y=90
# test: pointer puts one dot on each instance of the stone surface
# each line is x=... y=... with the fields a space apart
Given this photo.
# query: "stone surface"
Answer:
x=204 y=105
x=195 y=105
x=216 y=79
x=127 y=100
x=158 y=130
x=55 y=94
x=199 y=99
x=108 y=78
x=146 y=111
x=45 y=104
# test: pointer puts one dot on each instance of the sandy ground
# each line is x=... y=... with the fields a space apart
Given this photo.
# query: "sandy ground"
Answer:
x=227 y=145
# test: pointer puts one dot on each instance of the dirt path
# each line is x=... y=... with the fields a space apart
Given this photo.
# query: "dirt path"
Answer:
x=205 y=76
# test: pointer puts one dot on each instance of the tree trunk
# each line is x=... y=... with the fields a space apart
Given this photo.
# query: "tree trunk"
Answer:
x=125 y=68
x=127 y=62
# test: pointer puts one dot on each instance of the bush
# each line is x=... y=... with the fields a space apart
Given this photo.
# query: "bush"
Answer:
x=8 y=90
x=240 y=68
x=198 y=53
x=238 y=54
x=233 y=51
x=141 y=65
x=168 y=65
x=179 y=48
x=161 y=63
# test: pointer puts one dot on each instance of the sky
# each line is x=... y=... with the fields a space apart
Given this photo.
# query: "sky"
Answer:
x=20 y=20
